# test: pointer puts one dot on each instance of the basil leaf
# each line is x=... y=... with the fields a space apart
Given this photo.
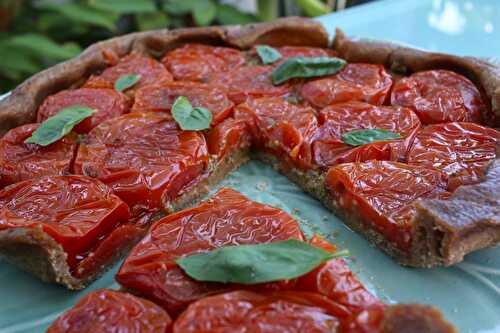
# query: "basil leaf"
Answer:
x=306 y=67
x=60 y=124
x=189 y=118
x=267 y=54
x=251 y=264
x=126 y=81
x=364 y=136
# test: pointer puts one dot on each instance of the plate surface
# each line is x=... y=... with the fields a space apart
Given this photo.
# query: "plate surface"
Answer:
x=468 y=294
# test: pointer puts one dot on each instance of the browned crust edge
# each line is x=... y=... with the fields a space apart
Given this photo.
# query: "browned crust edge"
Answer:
x=20 y=107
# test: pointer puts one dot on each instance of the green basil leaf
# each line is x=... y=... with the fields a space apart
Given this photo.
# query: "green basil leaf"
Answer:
x=189 y=118
x=267 y=54
x=364 y=136
x=251 y=264
x=126 y=81
x=306 y=67
x=60 y=124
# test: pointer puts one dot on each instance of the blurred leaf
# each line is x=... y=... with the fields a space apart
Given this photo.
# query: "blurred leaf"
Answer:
x=15 y=62
x=204 y=12
x=158 y=20
x=227 y=14
x=313 y=7
x=267 y=9
x=44 y=46
x=80 y=13
x=124 y=7
x=180 y=7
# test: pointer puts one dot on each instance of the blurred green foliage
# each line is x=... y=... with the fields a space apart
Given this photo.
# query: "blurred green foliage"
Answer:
x=38 y=33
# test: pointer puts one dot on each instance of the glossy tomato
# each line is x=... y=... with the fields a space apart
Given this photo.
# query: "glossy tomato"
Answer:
x=461 y=150
x=112 y=311
x=355 y=82
x=381 y=193
x=150 y=70
x=21 y=161
x=248 y=82
x=243 y=311
x=197 y=62
x=284 y=128
x=228 y=136
x=297 y=51
x=108 y=103
x=161 y=98
x=74 y=210
x=339 y=119
x=142 y=157
x=439 y=96
x=228 y=218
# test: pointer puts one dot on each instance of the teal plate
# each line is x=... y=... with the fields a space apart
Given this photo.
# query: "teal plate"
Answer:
x=468 y=294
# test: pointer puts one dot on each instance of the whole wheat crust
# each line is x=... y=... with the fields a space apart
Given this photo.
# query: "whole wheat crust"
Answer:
x=446 y=230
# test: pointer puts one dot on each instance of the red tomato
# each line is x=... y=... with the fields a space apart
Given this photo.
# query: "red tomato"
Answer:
x=108 y=103
x=439 y=96
x=142 y=157
x=248 y=82
x=150 y=70
x=271 y=312
x=197 y=62
x=231 y=134
x=21 y=161
x=338 y=119
x=112 y=311
x=460 y=150
x=162 y=97
x=74 y=210
x=284 y=128
x=355 y=82
x=228 y=218
x=297 y=51
x=381 y=193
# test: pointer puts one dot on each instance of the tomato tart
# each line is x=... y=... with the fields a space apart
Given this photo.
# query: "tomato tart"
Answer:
x=400 y=143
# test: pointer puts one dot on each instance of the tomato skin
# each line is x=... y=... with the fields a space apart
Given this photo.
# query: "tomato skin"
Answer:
x=228 y=136
x=228 y=218
x=74 y=210
x=108 y=102
x=288 y=52
x=439 y=96
x=150 y=70
x=284 y=128
x=248 y=82
x=107 y=310
x=338 y=119
x=381 y=193
x=143 y=157
x=161 y=97
x=244 y=311
x=355 y=82
x=197 y=62
x=460 y=150
x=22 y=161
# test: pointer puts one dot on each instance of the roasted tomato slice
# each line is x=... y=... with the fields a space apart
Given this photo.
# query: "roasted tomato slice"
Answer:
x=381 y=193
x=108 y=103
x=162 y=97
x=269 y=312
x=228 y=218
x=112 y=311
x=283 y=128
x=355 y=82
x=461 y=150
x=439 y=96
x=228 y=136
x=150 y=70
x=297 y=51
x=249 y=81
x=338 y=119
x=143 y=156
x=21 y=161
x=75 y=210
x=197 y=62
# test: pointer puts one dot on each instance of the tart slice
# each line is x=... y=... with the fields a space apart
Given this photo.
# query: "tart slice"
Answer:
x=64 y=229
